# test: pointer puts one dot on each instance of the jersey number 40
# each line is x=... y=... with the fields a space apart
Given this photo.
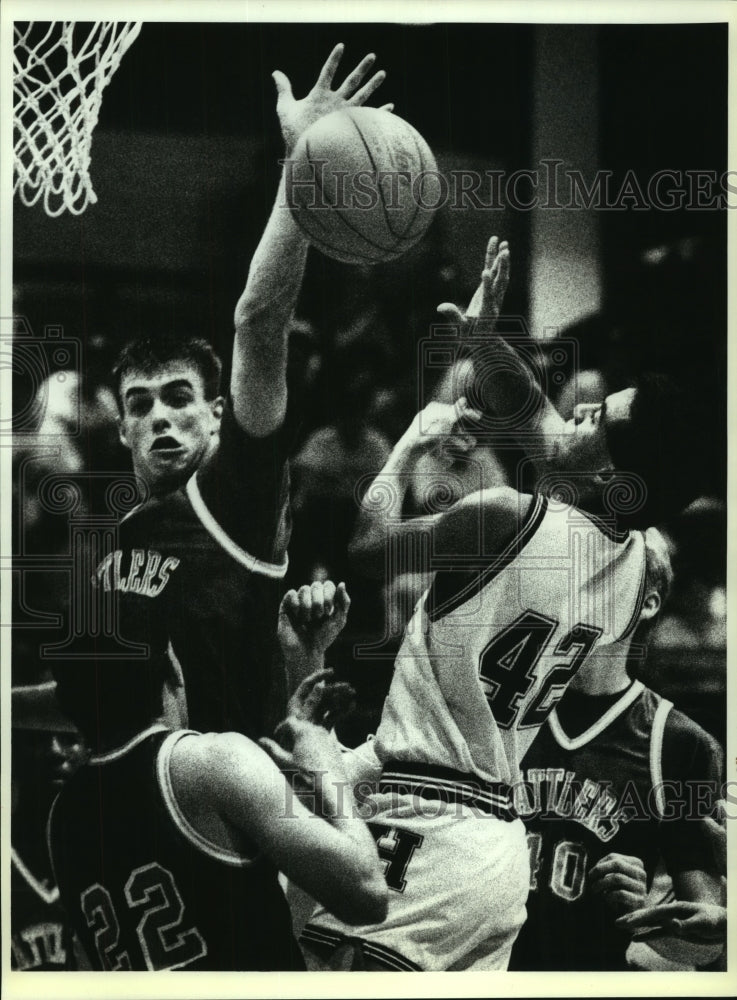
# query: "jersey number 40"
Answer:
x=508 y=668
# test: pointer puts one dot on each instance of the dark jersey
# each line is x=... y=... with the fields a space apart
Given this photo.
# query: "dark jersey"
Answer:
x=40 y=935
x=632 y=783
x=144 y=890
x=197 y=574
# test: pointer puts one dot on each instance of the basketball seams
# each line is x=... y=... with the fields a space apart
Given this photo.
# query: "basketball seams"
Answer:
x=370 y=241
x=370 y=155
x=327 y=247
x=370 y=238
x=385 y=210
x=423 y=168
x=315 y=215
x=352 y=250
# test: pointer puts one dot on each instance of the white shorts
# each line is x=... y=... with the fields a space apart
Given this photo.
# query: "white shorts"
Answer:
x=458 y=879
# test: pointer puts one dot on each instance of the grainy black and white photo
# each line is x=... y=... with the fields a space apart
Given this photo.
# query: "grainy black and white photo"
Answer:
x=364 y=507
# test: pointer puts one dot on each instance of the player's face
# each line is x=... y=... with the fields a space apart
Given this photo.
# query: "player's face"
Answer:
x=583 y=446
x=167 y=423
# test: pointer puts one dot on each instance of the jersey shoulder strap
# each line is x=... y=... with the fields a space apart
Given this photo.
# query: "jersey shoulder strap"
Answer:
x=656 y=752
x=182 y=824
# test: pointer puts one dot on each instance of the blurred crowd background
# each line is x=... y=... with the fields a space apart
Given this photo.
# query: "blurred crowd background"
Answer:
x=185 y=168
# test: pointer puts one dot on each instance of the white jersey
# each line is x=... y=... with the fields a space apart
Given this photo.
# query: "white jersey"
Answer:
x=489 y=651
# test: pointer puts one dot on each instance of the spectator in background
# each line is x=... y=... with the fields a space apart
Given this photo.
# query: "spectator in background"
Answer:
x=305 y=363
x=333 y=467
x=40 y=936
x=77 y=417
x=697 y=617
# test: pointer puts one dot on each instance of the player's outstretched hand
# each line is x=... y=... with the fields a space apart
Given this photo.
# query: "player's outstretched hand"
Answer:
x=296 y=116
x=621 y=881
x=486 y=304
x=320 y=700
x=695 y=922
x=300 y=742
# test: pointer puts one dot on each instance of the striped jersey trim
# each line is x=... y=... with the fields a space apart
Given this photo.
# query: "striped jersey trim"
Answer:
x=48 y=895
x=656 y=752
x=445 y=785
x=381 y=953
x=318 y=935
x=107 y=758
x=274 y=570
x=388 y=957
x=531 y=523
x=607 y=526
x=181 y=822
x=130 y=513
x=630 y=695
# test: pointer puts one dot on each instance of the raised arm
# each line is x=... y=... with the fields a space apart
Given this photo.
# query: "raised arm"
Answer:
x=258 y=381
x=310 y=621
x=481 y=522
x=505 y=385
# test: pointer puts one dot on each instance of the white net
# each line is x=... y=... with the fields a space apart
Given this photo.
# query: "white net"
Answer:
x=60 y=69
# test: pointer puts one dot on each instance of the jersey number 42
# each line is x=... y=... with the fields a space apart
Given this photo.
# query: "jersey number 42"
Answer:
x=508 y=668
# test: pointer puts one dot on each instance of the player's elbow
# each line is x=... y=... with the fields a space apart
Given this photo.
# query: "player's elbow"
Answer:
x=375 y=904
x=366 y=901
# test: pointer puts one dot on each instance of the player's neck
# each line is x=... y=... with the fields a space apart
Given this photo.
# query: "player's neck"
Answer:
x=164 y=484
x=605 y=673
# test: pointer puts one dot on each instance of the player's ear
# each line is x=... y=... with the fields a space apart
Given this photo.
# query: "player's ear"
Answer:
x=650 y=606
x=216 y=408
x=604 y=476
x=121 y=432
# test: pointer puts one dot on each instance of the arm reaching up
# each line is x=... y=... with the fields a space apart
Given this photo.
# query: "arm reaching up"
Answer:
x=310 y=621
x=505 y=384
x=482 y=522
x=258 y=381
x=381 y=507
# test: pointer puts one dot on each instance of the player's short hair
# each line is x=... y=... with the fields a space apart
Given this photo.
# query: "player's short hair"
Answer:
x=658 y=577
x=658 y=566
x=660 y=445
x=151 y=353
x=107 y=701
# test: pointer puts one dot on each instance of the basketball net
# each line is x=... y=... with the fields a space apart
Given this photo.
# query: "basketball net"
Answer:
x=58 y=80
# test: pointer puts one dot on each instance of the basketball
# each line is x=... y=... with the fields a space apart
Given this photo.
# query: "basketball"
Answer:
x=363 y=185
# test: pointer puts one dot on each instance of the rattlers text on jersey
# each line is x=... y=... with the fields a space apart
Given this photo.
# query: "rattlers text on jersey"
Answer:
x=41 y=937
x=485 y=657
x=197 y=574
x=624 y=774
